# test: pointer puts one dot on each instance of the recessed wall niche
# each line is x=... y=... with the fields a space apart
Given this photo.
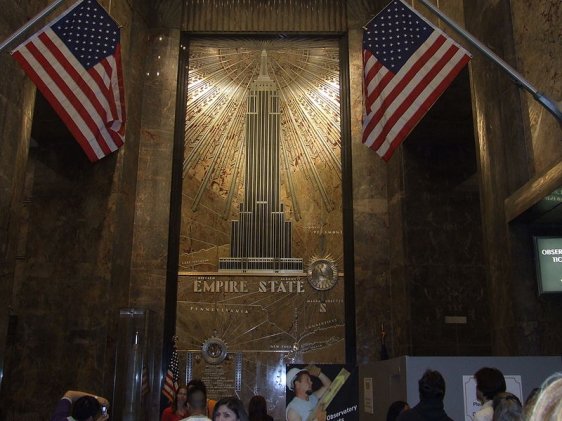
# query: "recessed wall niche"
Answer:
x=260 y=276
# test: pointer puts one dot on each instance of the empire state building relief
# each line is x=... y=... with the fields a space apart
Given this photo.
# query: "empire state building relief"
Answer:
x=261 y=238
x=261 y=247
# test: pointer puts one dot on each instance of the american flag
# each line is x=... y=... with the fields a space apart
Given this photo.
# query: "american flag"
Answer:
x=408 y=64
x=172 y=376
x=76 y=64
x=145 y=381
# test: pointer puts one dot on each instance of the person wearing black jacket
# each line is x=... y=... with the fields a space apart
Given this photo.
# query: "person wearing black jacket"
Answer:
x=430 y=408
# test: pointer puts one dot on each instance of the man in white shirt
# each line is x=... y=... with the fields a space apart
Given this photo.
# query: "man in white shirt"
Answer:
x=305 y=401
x=197 y=405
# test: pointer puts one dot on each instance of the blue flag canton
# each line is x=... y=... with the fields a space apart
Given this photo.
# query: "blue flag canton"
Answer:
x=395 y=34
x=89 y=33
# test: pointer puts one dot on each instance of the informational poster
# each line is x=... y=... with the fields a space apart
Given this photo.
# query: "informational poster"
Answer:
x=471 y=403
x=323 y=391
x=368 y=395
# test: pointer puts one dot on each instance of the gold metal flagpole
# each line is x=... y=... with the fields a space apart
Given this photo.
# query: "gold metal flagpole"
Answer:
x=546 y=102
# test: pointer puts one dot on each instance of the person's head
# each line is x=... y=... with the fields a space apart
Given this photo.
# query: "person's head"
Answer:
x=395 y=409
x=196 y=400
x=507 y=407
x=489 y=382
x=299 y=381
x=199 y=383
x=548 y=406
x=181 y=398
x=303 y=383
x=431 y=385
x=86 y=408
x=257 y=408
x=230 y=409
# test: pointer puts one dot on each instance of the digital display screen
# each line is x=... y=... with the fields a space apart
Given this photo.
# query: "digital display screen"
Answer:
x=548 y=259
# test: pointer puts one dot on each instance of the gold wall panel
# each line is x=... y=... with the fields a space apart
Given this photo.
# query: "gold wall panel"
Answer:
x=265 y=15
x=261 y=245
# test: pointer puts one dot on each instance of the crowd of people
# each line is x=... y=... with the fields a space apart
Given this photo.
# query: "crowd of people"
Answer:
x=542 y=404
x=191 y=403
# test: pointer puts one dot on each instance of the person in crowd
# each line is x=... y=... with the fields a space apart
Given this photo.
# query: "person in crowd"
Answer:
x=507 y=407
x=306 y=400
x=178 y=409
x=76 y=405
x=395 y=409
x=529 y=403
x=230 y=409
x=257 y=409
x=548 y=406
x=197 y=404
x=201 y=385
x=489 y=382
x=430 y=408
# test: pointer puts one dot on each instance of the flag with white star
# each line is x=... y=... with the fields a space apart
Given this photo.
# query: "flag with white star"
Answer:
x=408 y=63
x=76 y=64
x=172 y=375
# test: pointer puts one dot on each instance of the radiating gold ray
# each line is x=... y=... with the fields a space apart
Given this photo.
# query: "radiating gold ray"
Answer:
x=307 y=75
x=290 y=184
x=317 y=123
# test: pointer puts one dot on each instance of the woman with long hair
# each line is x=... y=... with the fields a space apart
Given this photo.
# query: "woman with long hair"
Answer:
x=257 y=409
x=230 y=409
x=548 y=406
x=178 y=409
x=507 y=407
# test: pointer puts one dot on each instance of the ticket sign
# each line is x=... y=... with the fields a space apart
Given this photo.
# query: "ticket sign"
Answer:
x=471 y=404
x=548 y=260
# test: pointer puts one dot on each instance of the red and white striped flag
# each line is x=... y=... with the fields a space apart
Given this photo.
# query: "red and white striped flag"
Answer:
x=172 y=376
x=408 y=64
x=76 y=64
x=145 y=381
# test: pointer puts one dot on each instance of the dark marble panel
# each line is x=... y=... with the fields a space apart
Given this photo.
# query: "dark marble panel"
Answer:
x=62 y=307
x=539 y=51
x=442 y=240
x=504 y=156
x=65 y=272
x=370 y=214
x=153 y=189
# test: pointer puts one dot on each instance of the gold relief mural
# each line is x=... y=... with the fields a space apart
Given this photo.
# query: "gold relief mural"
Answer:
x=261 y=250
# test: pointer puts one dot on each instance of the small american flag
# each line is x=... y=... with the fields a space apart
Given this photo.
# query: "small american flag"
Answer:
x=145 y=381
x=172 y=376
x=408 y=64
x=76 y=64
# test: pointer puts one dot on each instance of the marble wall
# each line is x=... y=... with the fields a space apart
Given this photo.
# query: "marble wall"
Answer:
x=442 y=231
x=536 y=37
x=513 y=160
x=66 y=236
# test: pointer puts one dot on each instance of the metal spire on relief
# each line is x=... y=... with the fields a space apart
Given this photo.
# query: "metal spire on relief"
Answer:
x=261 y=240
x=263 y=67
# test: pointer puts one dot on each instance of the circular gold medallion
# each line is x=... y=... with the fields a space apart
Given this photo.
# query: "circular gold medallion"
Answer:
x=214 y=351
x=322 y=274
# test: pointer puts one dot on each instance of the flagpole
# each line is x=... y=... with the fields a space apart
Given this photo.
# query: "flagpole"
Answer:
x=26 y=26
x=546 y=102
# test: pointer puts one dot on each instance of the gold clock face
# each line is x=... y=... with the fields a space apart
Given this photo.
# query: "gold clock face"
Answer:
x=322 y=274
